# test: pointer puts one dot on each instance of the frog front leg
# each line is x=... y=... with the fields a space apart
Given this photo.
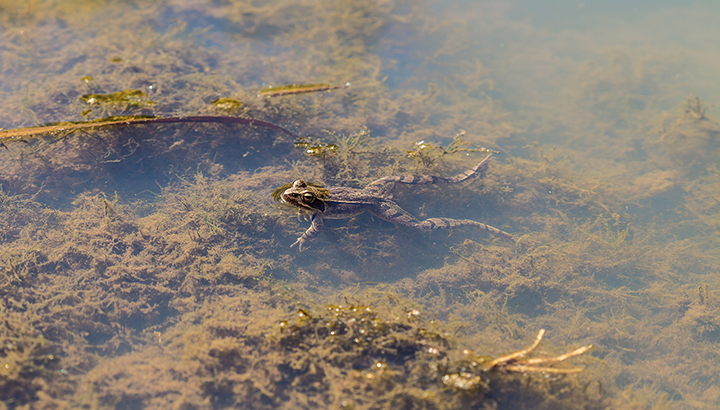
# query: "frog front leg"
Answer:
x=313 y=231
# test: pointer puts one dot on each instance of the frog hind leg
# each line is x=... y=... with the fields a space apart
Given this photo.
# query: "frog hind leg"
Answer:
x=383 y=184
x=448 y=223
x=391 y=212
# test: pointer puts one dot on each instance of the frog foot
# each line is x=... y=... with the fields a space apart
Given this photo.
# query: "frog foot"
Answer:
x=299 y=242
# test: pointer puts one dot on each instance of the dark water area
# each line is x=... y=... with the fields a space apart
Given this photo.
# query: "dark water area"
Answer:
x=146 y=264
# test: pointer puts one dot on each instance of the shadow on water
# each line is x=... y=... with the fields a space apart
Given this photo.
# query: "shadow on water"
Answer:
x=136 y=160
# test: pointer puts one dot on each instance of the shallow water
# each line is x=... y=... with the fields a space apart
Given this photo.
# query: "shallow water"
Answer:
x=146 y=266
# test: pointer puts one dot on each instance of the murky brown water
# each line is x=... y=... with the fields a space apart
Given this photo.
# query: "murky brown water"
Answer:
x=146 y=266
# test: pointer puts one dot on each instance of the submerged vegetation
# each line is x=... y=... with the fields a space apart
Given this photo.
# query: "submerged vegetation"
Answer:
x=193 y=280
x=290 y=89
x=228 y=104
x=144 y=263
x=427 y=152
x=131 y=98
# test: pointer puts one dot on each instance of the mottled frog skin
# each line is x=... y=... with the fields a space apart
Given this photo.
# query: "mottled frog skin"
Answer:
x=376 y=198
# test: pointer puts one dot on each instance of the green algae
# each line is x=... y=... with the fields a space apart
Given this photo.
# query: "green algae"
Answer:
x=131 y=98
x=292 y=89
x=315 y=148
x=351 y=356
x=206 y=245
x=426 y=153
x=228 y=104
x=175 y=297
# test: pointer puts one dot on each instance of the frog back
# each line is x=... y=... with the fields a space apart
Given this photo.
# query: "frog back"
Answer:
x=346 y=202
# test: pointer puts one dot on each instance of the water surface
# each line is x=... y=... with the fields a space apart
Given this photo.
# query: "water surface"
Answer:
x=146 y=266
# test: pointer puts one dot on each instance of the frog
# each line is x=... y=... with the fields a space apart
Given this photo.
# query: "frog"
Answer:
x=377 y=199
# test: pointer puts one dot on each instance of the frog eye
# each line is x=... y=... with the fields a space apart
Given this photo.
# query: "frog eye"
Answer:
x=308 y=197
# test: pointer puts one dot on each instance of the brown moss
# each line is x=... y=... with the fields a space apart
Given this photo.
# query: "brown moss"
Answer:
x=171 y=294
x=356 y=355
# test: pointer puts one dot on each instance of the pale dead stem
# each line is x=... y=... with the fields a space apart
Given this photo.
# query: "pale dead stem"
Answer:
x=516 y=362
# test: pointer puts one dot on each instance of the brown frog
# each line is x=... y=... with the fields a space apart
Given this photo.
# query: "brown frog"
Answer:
x=376 y=198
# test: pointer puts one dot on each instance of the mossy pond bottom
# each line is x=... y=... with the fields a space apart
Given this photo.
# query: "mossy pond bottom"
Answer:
x=145 y=264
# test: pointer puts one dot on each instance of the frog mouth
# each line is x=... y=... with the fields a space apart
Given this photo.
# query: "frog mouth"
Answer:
x=316 y=206
x=295 y=204
x=290 y=203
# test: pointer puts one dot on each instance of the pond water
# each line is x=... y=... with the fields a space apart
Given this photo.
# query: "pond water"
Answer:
x=145 y=264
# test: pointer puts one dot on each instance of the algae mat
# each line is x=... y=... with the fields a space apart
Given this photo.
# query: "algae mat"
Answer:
x=145 y=265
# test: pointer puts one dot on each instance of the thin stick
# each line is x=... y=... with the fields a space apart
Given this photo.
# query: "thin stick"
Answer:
x=554 y=370
x=518 y=354
x=16 y=134
x=576 y=352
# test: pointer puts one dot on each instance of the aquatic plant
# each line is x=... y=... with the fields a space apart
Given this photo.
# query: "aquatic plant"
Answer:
x=291 y=89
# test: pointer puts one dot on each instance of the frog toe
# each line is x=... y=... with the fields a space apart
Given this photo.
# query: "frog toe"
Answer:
x=299 y=242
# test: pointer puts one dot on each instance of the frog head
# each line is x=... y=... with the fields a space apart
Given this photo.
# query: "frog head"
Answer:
x=309 y=197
